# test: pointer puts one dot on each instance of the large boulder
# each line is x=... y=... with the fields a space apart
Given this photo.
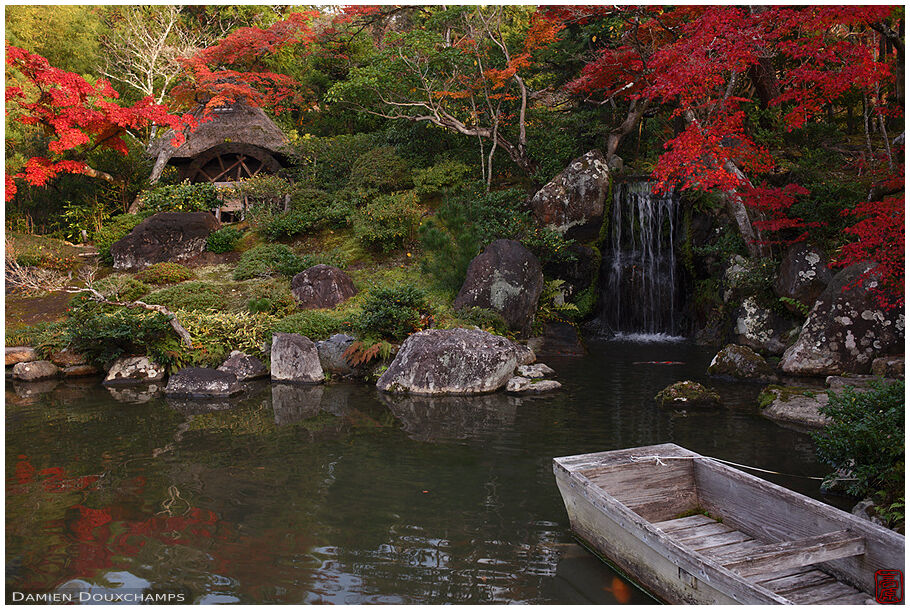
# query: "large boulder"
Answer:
x=133 y=370
x=331 y=356
x=166 y=236
x=295 y=358
x=846 y=329
x=322 y=286
x=763 y=330
x=15 y=355
x=572 y=203
x=244 y=367
x=197 y=382
x=456 y=361
x=803 y=275
x=889 y=366
x=507 y=278
x=740 y=362
x=35 y=371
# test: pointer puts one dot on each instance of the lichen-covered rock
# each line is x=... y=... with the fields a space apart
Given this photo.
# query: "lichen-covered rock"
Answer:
x=740 y=362
x=794 y=405
x=198 y=382
x=846 y=329
x=889 y=366
x=736 y=271
x=35 y=371
x=523 y=385
x=166 y=236
x=507 y=278
x=295 y=358
x=535 y=371
x=803 y=275
x=322 y=286
x=456 y=361
x=763 y=330
x=134 y=369
x=688 y=394
x=524 y=354
x=572 y=203
x=244 y=367
x=15 y=355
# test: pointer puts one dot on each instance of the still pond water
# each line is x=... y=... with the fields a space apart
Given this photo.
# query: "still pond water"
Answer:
x=339 y=494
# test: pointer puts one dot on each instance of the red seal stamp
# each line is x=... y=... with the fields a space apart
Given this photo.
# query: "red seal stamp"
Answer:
x=889 y=586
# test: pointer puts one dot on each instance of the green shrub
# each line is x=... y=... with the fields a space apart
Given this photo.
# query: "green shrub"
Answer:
x=223 y=240
x=105 y=332
x=265 y=260
x=381 y=169
x=265 y=192
x=272 y=296
x=388 y=221
x=865 y=437
x=216 y=334
x=307 y=212
x=314 y=324
x=115 y=230
x=42 y=251
x=449 y=242
x=184 y=197
x=188 y=296
x=121 y=288
x=392 y=313
x=45 y=337
x=485 y=319
x=165 y=273
x=439 y=178
x=325 y=162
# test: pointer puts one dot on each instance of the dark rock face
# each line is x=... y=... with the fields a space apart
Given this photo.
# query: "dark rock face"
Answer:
x=559 y=338
x=506 y=278
x=803 y=275
x=331 y=356
x=741 y=362
x=196 y=382
x=322 y=286
x=573 y=202
x=35 y=371
x=166 y=236
x=295 y=358
x=845 y=330
x=456 y=361
x=687 y=394
x=134 y=370
x=579 y=274
x=761 y=329
x=244 y=367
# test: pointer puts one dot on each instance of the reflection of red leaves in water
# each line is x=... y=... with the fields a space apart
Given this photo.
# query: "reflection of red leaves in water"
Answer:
x=55 y=479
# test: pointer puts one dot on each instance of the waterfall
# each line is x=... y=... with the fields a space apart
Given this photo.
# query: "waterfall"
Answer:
x=639 y=276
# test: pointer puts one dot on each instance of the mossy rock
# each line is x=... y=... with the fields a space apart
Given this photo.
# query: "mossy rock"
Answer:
x=740 y=362
x=687 y=394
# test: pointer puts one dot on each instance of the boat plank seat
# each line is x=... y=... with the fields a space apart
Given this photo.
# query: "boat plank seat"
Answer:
x=784 y=568
x=796 y=553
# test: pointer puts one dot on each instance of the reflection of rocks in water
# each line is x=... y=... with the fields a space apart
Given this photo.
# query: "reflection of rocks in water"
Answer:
x=427 y=418
x=198 y=406
x=136 y=394
x=293 y=403
x=29 y=393
x=337 y=399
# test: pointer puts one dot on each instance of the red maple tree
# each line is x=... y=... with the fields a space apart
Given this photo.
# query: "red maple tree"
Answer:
x=78 y=117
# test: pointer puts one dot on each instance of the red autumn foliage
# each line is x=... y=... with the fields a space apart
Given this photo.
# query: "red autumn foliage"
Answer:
x=78 y=116
x=232 y=69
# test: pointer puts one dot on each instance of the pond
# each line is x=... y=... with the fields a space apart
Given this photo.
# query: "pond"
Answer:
x=340 y=494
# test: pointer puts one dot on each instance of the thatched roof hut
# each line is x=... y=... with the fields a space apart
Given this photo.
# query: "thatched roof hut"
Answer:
x=240 y=142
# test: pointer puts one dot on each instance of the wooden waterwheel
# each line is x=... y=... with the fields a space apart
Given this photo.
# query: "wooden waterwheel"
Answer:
x=231 y=163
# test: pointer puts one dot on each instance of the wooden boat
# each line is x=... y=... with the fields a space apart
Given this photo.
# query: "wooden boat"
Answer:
x=690 y=529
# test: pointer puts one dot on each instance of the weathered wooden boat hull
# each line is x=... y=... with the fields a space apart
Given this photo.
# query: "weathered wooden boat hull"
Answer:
x=613 y=505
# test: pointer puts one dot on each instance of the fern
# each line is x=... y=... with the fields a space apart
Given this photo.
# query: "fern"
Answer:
x=361 y=352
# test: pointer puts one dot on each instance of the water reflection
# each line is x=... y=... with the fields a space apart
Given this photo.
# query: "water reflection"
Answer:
x=337 y=493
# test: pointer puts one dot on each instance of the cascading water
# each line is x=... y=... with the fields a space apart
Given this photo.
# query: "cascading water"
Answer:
x=639 y=295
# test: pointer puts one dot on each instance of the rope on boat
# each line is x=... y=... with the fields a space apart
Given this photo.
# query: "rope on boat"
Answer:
x=658 y=460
